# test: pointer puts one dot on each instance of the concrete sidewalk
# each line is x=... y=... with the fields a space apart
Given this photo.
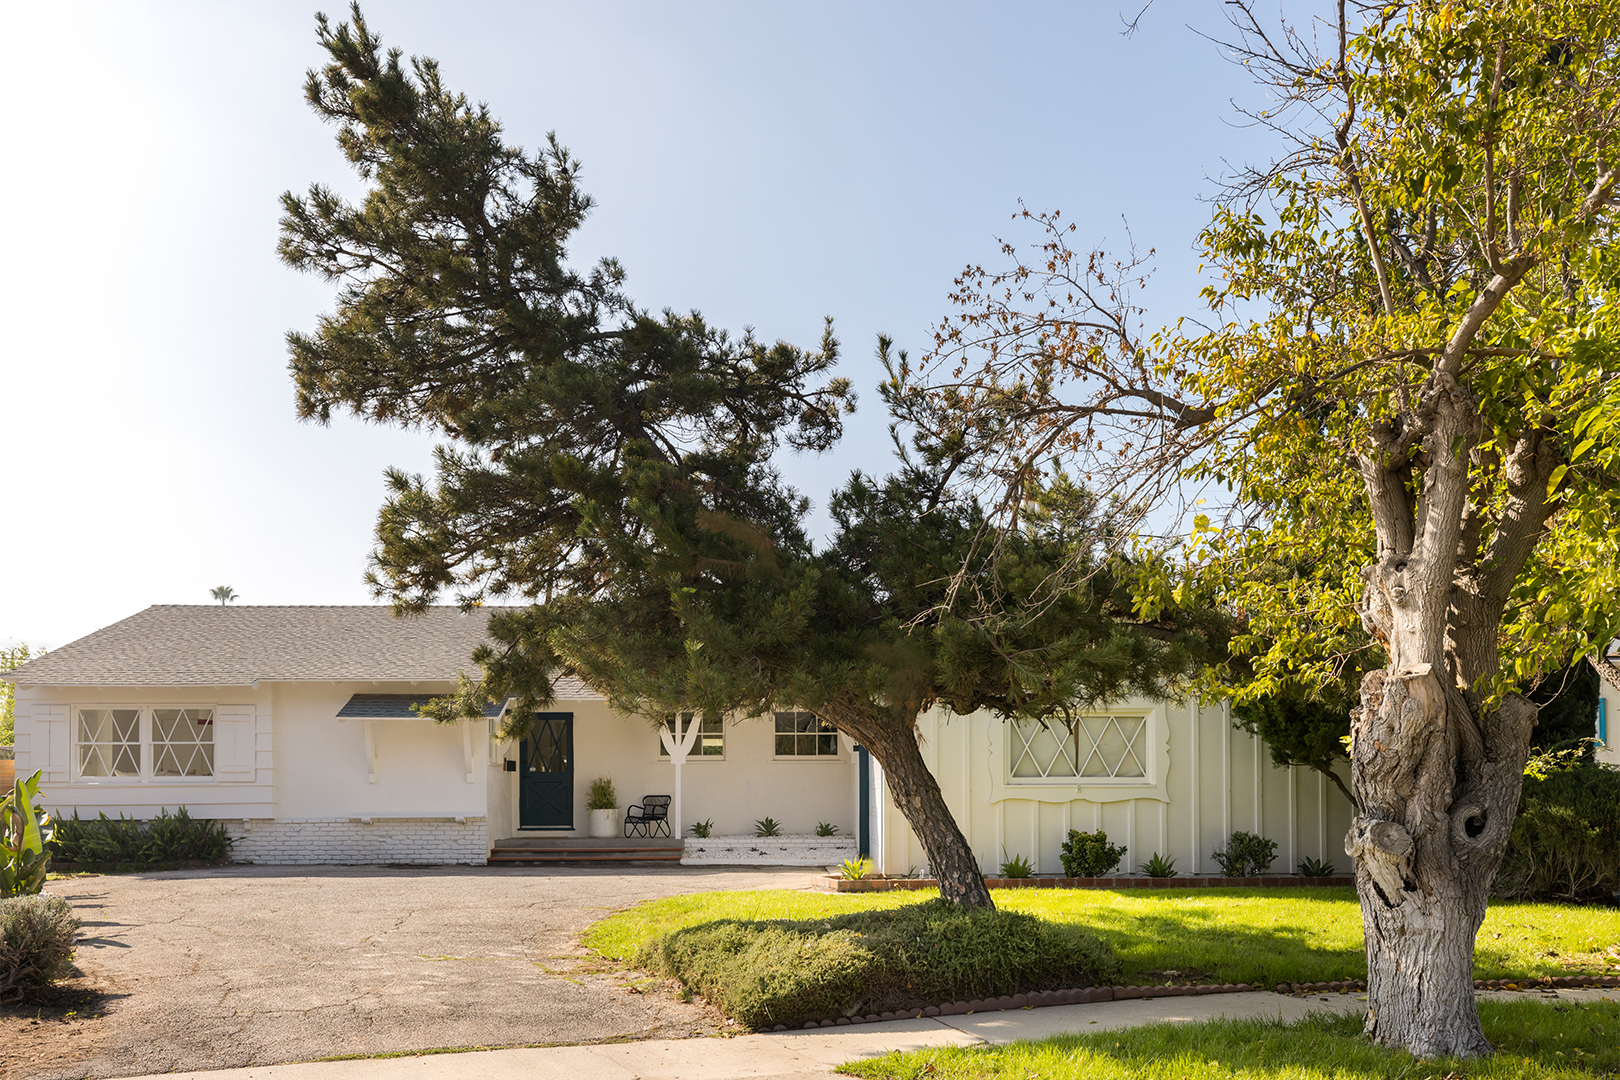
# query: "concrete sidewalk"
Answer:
x=806 y=1054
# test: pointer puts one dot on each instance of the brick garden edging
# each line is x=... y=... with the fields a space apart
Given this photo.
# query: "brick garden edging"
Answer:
x=1127 y=993
x=1035 y=1000
x=831 y=883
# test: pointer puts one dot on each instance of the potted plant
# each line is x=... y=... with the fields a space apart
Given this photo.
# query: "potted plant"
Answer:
x=603 y=804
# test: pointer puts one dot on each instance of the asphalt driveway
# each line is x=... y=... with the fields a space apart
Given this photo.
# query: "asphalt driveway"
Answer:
x=263 y=965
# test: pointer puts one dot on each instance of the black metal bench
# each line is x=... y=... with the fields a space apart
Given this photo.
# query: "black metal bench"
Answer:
x=649 y=817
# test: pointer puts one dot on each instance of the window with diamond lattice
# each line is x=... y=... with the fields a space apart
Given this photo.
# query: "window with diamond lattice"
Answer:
x=109 y=742
x=1094 y=747
x=804 y=734
x=182 y=742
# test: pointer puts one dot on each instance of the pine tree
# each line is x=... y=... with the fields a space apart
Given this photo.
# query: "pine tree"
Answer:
x=614 y=468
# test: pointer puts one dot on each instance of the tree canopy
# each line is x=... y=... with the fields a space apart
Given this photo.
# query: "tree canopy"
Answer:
x=1405 y=377
x=614 y=469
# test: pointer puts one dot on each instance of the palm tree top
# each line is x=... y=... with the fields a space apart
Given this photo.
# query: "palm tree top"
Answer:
x=222 y=593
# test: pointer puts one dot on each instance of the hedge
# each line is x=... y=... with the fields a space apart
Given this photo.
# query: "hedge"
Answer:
x=764 y=973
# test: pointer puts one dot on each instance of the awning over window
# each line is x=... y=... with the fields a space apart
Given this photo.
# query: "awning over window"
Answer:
x=388 y=706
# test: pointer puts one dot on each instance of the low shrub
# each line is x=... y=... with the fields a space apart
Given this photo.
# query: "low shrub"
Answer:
x=166 y=840
x=1246 y=855
x=1089 y=854
x=787 y=971
x=1565 y=843
x=36 y=943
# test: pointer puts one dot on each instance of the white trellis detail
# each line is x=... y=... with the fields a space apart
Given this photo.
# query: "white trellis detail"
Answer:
x=1093 y=746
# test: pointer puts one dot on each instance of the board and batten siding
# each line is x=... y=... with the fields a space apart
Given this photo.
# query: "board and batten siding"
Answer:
x=1205 y=780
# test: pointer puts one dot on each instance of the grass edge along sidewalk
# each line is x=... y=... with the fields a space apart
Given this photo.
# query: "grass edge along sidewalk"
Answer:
x=1168 y=942
x=1535 y=1040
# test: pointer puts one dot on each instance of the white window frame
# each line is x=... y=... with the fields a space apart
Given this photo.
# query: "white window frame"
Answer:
x=148 y=747
x=1067 y=789
x=696 y=753
x=1133 y=725
x=838 y=743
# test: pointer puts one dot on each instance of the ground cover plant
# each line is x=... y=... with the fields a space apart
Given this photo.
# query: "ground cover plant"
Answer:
x=787 y=971
x=1533 y=1039
x=1260 y=936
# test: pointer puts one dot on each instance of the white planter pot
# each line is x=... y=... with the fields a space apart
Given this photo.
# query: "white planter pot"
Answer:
x=604 y=823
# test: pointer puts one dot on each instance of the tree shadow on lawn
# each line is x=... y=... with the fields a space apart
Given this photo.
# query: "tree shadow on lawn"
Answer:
x=1185 y=949
x=1220 y=936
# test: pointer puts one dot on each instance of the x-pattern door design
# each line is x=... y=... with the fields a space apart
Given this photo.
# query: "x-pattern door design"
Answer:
x=546 y=776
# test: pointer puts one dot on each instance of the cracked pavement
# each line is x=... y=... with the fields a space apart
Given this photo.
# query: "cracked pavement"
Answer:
x=250 y=965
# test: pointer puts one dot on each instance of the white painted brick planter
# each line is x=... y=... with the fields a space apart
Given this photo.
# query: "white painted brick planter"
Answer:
x=354 y=842
x=768 y=850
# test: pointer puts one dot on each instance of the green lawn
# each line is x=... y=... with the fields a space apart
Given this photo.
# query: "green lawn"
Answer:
x=1259 y=936
x=1535 y=1041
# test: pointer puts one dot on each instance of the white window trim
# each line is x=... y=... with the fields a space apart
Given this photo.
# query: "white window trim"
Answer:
x=1102 y=789
x=148 y=748
x=842 y=753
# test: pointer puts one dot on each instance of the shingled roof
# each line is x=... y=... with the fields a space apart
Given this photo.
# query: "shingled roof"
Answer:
x=213 y=645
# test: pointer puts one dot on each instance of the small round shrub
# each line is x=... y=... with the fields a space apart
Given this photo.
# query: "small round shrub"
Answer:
x=1089 y=854
x=36 y=943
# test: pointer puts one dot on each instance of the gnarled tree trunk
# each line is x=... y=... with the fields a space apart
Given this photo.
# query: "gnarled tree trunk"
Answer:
x=1436 y=776
x=918 y=797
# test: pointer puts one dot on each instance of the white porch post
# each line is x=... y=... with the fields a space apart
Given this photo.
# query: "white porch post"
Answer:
x=677 y=751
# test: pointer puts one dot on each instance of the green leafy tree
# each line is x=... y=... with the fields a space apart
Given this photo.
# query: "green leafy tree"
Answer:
x=10 y=659
x=223 y=593
x=613 y=467
x=1407 y=380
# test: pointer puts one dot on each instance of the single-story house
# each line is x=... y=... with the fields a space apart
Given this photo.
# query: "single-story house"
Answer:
x=295 y=725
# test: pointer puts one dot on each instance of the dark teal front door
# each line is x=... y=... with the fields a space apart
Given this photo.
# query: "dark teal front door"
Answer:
x=546 y=773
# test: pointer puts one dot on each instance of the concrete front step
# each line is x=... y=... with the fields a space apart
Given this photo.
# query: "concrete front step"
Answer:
x=558 y=850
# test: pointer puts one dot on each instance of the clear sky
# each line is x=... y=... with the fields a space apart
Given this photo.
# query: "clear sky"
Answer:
x=765 y=164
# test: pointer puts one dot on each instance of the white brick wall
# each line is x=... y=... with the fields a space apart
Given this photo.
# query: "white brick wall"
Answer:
x=352 y=841
x=768 y=851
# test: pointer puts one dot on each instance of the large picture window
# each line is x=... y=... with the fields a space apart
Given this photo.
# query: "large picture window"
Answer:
x=711 y=739
x=804 y=734
x=136 y=743
x=1096 y=747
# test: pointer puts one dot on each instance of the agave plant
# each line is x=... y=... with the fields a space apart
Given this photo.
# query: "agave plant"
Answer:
x=25 y=830
x=855 y=869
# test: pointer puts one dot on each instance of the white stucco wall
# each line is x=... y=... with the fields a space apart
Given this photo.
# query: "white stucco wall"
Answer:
x=421 y=766
x=1205 y=780
x=748 y=784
